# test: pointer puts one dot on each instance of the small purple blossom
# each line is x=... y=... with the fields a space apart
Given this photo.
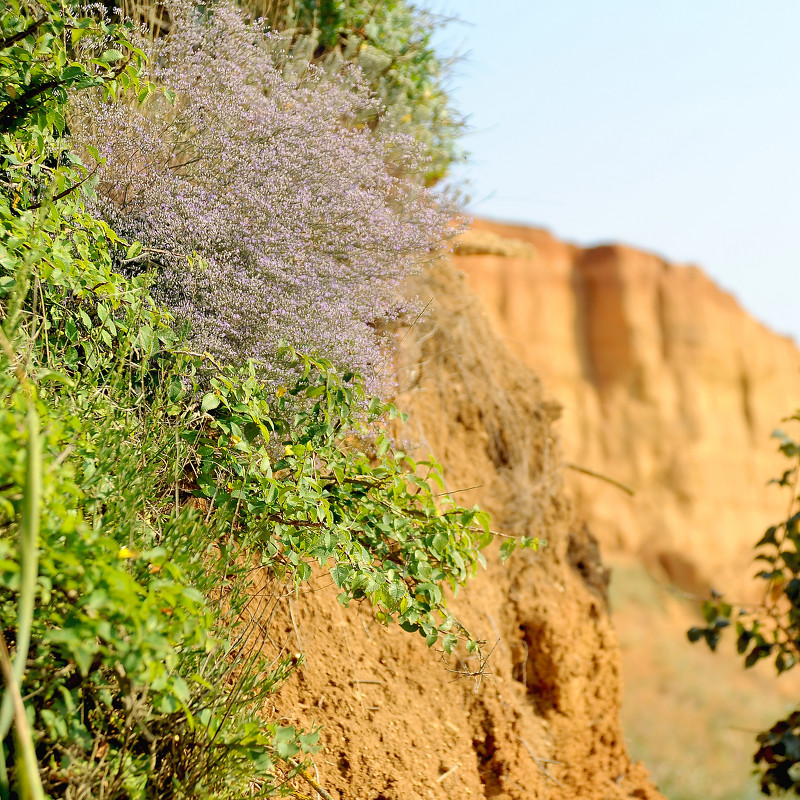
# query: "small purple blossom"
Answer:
x=301 y=222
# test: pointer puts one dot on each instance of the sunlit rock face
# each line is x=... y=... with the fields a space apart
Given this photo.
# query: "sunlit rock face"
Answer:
x=668 y=386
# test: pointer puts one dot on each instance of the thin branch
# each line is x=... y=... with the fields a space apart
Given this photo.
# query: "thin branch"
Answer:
x=449 y=772
x=310 y=781
x=599 y=475
x=540 y=762
x=17 y=37
x=64 y=193
x=456 y=491
x=416 y=320
x=296 y=628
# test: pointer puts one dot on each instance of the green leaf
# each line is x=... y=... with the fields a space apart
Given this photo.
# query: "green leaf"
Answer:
x=111 y=55
x=340 y=573
x=51 y=376
x=449 y=642
x=72 y=72
x=309 y=741
x=210 y=402
x=134 y=250
x=695 y=634
x=507 y=548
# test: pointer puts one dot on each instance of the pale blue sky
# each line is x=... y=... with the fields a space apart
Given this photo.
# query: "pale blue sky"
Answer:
x=672 y=125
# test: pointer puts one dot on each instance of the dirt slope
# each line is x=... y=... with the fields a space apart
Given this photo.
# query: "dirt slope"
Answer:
x=544 y=722
x=667 y=384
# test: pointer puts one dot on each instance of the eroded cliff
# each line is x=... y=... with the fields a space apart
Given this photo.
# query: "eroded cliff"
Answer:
x=667 y=384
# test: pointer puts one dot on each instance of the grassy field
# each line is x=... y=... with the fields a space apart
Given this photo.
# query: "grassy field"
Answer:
x=691 y=716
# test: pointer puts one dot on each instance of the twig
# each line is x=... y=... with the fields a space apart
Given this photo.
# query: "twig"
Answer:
x=316 y=773
x=496 y=631
x=456 y=491
x=482 y=530
x=61 y=195
x=350 y=653
x=18 y=37
x=599 y=475
x=295 y=626
x=310 y=781
x=743 y=730
x=416 y=320
x=449 y=772
x=540 y=762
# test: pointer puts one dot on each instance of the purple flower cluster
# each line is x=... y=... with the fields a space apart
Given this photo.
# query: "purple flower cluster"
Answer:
x=299 y=222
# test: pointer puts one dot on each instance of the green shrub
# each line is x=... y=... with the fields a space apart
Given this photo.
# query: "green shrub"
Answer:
x=130 y=689
x=770 y=629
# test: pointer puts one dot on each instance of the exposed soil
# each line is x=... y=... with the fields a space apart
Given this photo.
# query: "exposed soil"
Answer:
x=543 y=722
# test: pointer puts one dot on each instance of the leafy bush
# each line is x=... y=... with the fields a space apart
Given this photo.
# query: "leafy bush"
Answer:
x=368 y=514
x=37 y=70
x=127 y=663
x=770 y=629
x=294 y=205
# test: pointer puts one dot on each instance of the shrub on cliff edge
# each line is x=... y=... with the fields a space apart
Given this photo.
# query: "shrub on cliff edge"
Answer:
x=123 y=608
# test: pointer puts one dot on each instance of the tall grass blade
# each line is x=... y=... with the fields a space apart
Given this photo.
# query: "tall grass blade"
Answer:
x=30 y=782
x=28 y=778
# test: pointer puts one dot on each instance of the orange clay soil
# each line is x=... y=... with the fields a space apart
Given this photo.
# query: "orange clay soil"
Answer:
x=398 y=721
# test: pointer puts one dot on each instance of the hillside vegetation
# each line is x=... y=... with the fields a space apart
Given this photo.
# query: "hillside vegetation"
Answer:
x=202 y=240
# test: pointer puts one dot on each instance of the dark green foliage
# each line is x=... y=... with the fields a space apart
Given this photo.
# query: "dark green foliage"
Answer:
x=127 y=658
x=771 y=629
x=49 y=47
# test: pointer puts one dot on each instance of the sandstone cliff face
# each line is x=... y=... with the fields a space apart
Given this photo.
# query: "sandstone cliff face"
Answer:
x=667 y=384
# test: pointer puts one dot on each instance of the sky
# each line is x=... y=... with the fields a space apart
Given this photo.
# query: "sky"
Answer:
x=673 y=126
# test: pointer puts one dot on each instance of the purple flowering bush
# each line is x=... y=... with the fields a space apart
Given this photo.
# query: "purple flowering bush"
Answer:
x=268 y=209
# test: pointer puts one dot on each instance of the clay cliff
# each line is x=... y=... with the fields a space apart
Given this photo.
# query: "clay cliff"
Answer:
x=667 y=384
x=543 y=721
